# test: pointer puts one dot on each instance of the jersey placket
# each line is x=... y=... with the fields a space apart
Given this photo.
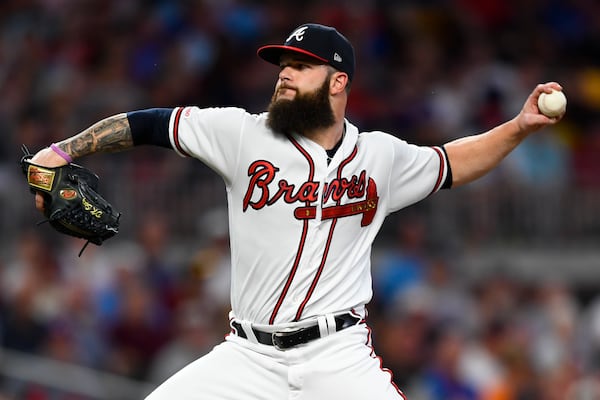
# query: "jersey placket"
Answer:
x=295 y=294
x=322 y=230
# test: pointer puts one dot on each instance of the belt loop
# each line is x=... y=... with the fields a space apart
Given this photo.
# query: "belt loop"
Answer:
x=247 y=327
x=331 y=326
x=322 y=321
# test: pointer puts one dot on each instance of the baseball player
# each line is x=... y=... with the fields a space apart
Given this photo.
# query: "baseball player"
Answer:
x=307 y=193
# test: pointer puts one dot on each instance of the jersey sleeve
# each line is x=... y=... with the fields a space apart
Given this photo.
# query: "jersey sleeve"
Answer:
x=417 y=172
x=212 y=135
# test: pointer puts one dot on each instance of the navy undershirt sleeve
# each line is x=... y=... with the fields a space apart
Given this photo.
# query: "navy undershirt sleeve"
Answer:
x=150 y=126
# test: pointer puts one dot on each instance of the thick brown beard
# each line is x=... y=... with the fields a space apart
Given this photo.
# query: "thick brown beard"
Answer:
x=306 y=112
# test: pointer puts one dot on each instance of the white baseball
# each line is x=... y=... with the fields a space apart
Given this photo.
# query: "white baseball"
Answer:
x=552 y=104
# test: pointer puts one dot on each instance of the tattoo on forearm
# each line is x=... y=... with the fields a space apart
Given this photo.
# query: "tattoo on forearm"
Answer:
x=110 y=135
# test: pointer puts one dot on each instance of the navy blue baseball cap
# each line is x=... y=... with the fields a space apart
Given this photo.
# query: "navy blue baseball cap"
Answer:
x=321 y=42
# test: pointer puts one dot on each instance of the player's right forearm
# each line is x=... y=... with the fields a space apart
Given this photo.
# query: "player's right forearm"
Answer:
x=109 y=135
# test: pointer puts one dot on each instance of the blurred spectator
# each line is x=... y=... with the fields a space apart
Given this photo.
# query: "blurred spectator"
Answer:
x=212 y=263
x=585 y=160
x=139 y=332
x=481 y=364
x=590 y=335
x=542 y=161
x=32 y=292
x=553 y=318
x=194 y=335
x=403 y=337
x=404 y=264
x=452 y=296
x=94 y=276
x=443 y=380
x=156 y=266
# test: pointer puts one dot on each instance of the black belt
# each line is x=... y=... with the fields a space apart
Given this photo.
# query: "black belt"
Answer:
x=285 y=340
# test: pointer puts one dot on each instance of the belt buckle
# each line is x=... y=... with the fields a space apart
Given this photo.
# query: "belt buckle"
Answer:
x=275 y=341
x=278 y=339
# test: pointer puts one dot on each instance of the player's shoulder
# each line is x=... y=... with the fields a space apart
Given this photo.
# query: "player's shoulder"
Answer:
x=224 y=115
x=381 y=138
x=220 y=111
x=382 y=144
x=238 y=112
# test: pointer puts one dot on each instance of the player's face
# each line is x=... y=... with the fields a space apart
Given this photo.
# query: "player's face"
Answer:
x=299 y=74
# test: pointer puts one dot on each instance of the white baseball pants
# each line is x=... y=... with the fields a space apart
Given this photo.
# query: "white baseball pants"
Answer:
x=339 y=366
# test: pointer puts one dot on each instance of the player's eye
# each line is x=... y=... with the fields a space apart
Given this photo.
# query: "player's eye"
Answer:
x=294 y=65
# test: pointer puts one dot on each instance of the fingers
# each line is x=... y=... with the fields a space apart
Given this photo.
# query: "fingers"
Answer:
x=39 y=202
x=547 y=87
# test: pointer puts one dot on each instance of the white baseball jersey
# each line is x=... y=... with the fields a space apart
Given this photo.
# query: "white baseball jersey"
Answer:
x=301 y=228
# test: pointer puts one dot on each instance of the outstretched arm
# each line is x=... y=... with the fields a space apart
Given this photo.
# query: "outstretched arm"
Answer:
x=109 y=135
x=473 y=156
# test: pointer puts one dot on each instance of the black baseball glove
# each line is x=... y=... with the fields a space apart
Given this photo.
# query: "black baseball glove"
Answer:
x=72 y=204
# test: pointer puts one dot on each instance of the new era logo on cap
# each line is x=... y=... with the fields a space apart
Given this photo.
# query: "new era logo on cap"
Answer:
x=319 y=41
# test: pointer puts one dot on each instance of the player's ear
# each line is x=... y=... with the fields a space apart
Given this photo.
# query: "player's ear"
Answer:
x=338 y=82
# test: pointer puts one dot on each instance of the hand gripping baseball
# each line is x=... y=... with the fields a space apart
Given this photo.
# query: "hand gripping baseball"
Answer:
x=531 y=118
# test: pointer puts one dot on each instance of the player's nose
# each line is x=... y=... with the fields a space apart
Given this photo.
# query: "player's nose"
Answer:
x=285 y=74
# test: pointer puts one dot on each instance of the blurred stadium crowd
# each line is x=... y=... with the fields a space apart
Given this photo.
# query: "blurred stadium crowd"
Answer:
x=156 y=297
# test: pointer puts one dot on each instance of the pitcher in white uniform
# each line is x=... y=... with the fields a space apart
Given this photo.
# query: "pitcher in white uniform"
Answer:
x=307 y=194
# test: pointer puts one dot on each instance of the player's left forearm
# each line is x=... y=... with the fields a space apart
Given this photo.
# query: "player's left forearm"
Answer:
x=472 y=157
x=110 y=135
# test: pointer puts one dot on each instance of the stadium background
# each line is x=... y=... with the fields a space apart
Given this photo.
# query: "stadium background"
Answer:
x=484 y=292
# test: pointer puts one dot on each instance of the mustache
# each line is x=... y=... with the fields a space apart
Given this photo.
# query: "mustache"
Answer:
x=286 y=86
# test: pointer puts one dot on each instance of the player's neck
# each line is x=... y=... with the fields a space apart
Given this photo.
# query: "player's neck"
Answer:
x=328 y=138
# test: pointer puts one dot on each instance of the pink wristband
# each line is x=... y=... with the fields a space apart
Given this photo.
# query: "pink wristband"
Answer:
x=61 y=153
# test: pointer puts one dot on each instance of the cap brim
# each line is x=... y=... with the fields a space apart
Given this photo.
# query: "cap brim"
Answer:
x=272 y=53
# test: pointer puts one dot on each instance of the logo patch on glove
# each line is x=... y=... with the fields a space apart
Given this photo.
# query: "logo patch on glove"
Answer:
x=67 y=194
x=40 y=178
